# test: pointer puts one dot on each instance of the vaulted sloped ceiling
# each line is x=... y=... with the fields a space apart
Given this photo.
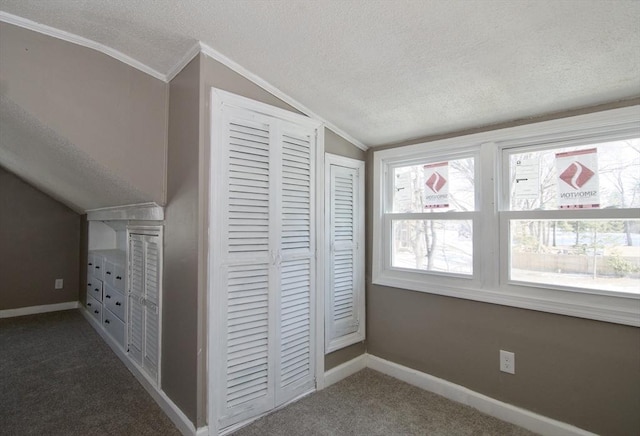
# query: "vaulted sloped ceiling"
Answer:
x=377 y=71
x=87 y=129
x=57 y=167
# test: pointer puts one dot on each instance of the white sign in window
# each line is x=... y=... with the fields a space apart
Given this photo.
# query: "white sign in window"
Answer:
x=578 y=186
x=436 y=185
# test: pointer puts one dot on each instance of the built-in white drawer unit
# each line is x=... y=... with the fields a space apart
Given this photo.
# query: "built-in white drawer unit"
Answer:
x=106 y=291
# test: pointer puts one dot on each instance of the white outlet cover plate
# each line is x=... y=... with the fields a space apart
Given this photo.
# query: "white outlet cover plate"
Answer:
x=507 y=362
x=59 y=283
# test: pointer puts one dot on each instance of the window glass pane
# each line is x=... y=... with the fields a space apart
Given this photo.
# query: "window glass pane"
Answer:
x=594 y=254
x=433 y=245
x=605 y=175
x=434 y=186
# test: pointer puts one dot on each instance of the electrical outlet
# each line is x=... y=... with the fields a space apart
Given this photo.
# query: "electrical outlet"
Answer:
x=507 y=362
x=59 y=284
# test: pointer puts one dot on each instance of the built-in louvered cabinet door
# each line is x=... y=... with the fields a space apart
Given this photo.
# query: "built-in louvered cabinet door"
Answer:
x=345 y=269
x=144 y=301
x=136 y=298
x=152 y=303
x=263 y=261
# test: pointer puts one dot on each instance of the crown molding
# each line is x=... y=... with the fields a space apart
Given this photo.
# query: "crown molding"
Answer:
x=179 y=66
x=198 y=47
x=79 y=40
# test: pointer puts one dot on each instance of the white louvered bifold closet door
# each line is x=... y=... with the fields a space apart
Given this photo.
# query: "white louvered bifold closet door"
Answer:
x=295 y=366
x=247 y=271
x=345 y=274
x=144 y=302
x=263 y=263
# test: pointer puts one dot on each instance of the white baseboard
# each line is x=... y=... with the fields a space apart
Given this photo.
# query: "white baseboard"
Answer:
x=184 y=424
x=32 y=310
x=344 y=370
x=490 y=406
x=203 y=431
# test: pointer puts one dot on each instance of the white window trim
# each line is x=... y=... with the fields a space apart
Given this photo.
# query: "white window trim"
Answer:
x=358 y=264
x=491 y=285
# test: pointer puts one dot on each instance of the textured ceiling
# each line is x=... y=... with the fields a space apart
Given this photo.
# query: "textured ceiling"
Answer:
x=386 y=71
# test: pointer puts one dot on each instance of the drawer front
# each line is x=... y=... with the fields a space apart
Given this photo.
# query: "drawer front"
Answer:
x=114 y=326
x=94 y=288
x=95 y=308
x=114 y=301
x=98 y=267
x=118 y=279
x=109 y=273
x=91 y=261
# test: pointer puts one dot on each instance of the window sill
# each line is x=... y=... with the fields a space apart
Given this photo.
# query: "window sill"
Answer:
x=615 y=309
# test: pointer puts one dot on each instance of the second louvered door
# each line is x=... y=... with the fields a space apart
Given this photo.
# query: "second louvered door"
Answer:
x=344 y=323
x=263 y=262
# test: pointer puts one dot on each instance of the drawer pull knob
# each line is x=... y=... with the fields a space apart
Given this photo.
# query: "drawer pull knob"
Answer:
x=109 y=272
x=118 y=278
x=96 y=311
x=118 y=303
x=106 y=321
x=108 y=296
x=97 y=289
x=90 y=264
x=89 y=284
x=97 y=267
x=89 y=304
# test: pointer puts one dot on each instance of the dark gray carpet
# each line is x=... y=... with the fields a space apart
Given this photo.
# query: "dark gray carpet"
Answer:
x=57 y=377
x=370 y=403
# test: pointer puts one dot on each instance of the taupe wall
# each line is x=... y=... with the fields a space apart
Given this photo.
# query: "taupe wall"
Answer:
x=39 y=242
x=583 y=372
x=180 y=291
x=114 y=113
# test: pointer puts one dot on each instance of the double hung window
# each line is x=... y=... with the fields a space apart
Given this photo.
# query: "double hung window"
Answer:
x=544 y=216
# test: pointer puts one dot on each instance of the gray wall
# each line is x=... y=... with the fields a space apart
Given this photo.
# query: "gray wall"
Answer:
x=39 y=242
x=583 y=372
x=114 y=116
x=180 y=291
